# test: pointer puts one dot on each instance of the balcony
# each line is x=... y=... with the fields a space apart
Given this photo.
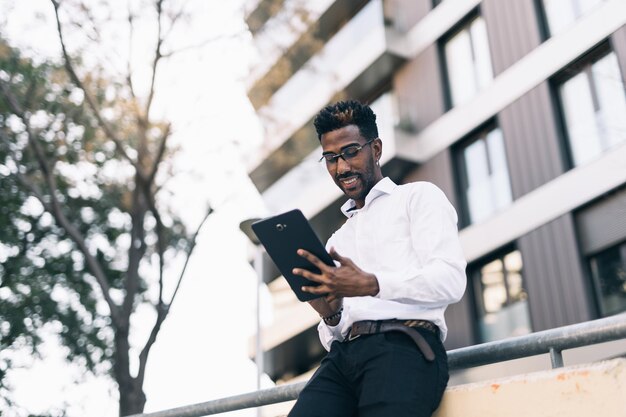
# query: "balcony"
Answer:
x=285 y=43
x=258 y=12
x=278 y=26
x=359 y=58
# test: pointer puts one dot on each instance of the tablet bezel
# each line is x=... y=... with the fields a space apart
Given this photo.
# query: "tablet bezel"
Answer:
x=282 y=235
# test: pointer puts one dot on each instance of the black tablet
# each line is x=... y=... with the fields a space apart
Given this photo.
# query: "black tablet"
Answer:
x=282 y=236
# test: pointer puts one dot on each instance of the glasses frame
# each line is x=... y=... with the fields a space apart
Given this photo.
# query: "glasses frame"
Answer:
x=342 y=155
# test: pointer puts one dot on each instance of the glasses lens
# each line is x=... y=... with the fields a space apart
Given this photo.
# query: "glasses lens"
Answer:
x=351 y=151
x=329 y=157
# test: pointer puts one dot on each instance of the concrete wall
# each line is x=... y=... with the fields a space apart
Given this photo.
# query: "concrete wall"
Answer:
x=588 y=390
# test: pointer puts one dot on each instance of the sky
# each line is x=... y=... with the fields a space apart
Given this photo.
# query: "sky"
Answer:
x=201 y=352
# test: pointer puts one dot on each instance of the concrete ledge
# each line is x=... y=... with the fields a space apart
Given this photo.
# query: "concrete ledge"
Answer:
x=597 y=389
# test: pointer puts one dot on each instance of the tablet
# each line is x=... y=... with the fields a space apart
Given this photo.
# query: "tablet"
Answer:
x=282 y=236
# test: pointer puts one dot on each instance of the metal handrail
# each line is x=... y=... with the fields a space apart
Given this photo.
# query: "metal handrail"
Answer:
x=551 y=341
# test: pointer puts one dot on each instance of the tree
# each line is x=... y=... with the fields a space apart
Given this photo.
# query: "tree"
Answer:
x=86 y=238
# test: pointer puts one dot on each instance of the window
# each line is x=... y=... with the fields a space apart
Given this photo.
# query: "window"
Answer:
x=500 y=297
x=594 y=105
x=560 y=14
x=608 y=270
x=484 y=176
x=468 y=61
x=601 y=232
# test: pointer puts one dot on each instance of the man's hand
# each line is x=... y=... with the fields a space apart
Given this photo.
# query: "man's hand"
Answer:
x=346 y=280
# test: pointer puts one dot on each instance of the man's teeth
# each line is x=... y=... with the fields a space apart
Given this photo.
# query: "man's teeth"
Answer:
x=349 y=181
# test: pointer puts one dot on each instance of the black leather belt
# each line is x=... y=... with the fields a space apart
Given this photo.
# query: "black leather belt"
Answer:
x=407 y=327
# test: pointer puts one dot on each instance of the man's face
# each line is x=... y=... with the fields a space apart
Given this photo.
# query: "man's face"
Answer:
x=355 y=175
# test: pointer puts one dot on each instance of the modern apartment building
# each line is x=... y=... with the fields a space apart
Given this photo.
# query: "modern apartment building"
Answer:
x=516 y=109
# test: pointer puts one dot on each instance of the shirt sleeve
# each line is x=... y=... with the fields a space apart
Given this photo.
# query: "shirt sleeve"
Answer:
x=437 y=278
x=328 y=334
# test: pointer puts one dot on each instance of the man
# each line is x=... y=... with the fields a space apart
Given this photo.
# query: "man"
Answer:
x=399 y=264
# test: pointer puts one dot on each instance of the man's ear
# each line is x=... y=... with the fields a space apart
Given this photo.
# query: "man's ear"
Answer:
x=377 y=147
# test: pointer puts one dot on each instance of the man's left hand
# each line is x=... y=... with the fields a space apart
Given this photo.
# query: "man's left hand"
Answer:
x=345 y=280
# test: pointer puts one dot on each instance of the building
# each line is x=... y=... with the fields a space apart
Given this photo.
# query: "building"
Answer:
x=516 y=109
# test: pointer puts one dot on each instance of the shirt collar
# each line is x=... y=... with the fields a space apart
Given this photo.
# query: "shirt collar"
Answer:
x=384 y=186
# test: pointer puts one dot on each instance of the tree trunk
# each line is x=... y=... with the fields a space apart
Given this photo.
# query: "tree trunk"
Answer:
x=132 y=397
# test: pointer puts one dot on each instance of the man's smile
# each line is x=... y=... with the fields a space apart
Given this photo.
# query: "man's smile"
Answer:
x=349 y=181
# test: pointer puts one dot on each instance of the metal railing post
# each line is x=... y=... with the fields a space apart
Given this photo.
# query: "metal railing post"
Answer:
x=556 y=358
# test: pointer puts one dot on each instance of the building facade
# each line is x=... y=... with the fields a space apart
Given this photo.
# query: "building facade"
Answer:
x=516 y=109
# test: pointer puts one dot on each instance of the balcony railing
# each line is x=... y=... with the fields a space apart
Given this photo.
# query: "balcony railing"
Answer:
x=552 y=341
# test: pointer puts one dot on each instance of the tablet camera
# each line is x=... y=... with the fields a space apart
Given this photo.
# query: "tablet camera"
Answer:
x=280 y=227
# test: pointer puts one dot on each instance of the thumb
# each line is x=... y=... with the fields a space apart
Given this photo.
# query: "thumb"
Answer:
x=341 y=259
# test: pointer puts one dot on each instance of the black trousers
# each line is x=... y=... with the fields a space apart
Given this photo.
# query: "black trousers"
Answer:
x=379 y=375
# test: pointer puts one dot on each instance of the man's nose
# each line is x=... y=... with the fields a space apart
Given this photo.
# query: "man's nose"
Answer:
x=342 y=165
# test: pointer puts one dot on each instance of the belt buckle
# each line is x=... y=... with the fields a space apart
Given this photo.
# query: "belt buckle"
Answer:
x=351 y=337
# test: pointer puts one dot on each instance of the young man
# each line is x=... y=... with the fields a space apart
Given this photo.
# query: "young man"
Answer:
x=399 y=264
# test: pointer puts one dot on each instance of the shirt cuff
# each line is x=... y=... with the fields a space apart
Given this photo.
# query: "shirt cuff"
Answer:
x=336 y=329
x=328 y=334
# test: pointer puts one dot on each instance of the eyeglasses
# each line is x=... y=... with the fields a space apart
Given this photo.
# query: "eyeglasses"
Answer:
x=348 y=153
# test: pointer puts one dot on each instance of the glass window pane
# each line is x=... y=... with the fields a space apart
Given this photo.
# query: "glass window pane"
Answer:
x=563 y=13
x=476 y=163
x=580 y=120
x=458 y=52
x=486 y=171
x=478 y=184
x=468 y=61
x=482 y=58
x=586 y=6
x=513 y=265
x=608 y=269
x=500 y=184
x=612 y=100
x=494 y=291
x=503 y=306
x=560 y=14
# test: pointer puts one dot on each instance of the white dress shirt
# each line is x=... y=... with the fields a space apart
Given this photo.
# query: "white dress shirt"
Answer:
x=407 y=236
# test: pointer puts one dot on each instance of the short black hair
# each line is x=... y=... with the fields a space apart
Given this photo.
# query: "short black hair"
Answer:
x=346 y=113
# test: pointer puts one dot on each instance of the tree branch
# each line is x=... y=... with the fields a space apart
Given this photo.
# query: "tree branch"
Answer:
x=90 y=101
x=159 y=156
x=54 y=206
x=160 y=229
x=174 y=19
x=137 y=248
x=189 y=253
x=164 y=309
x=160 y=241
x=162 y=312
x=205 y=42
x=157 y=58
x=129 y=75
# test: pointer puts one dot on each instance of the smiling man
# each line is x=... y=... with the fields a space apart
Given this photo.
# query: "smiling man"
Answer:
x=399 y=264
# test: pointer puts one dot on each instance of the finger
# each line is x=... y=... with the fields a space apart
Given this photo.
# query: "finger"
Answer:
x=314 y=260
x=343 y=260
x=319 y=290
x=309 y=275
